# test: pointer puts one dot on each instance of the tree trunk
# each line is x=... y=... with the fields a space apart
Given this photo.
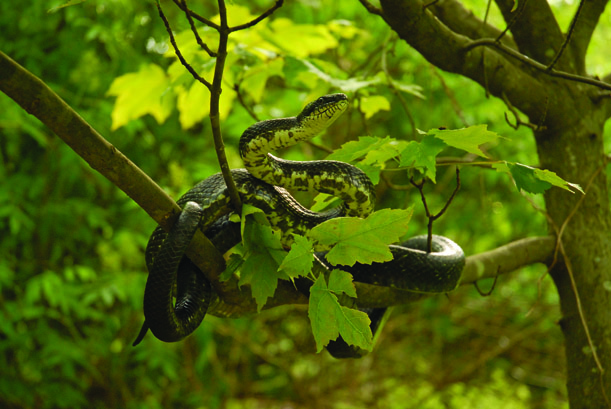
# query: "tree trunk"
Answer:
x=568 y=117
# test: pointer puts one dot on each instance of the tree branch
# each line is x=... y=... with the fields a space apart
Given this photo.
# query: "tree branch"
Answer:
x=196 y=16
x=462 y=21
x=588 y=20
x=446 y=49
x=537 y=65
x=258 y=19
x=34 y=96
x=536 y=21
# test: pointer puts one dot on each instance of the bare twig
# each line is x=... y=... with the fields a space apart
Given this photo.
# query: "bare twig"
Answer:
x=196 y=16
x=450 y=94
x=535 y=64
x=371 y=8
x=519 y=122
x=215 y=116
x=489 y=292
x=201 y=43
x=177 y=50
x=569 y=34
x=433 y=217
x=247 y=107
x=258 y=19
x=393 y=87
x=513 y=20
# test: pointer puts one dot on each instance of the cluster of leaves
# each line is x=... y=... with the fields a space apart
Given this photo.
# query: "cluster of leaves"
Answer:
x=265 y=51
x=263 y=261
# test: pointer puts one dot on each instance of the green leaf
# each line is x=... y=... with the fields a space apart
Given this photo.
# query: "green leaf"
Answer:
x=329 y=319
x=468 y=139
x=263 y=254
x=421 y=155
x=369 y=149
x=552 y=178
x=298 y=262
x=346 y=85
x=140 y=93
x=255 y=78
x=533 y=180
x=311 y=38
x=374 y=104
x=526 y=179
x=361 y=240
x=341 y=282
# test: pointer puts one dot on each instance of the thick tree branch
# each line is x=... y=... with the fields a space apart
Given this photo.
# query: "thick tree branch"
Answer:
x=537 y=65
x=462 y=21
x=536 y=21
x=590 y=14
x=34 y=96
x=445 y=49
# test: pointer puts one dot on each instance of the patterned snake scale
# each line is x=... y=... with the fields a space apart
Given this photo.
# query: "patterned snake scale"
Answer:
x=177 y=295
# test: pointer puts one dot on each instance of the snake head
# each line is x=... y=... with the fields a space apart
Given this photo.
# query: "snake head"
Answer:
x=331 y=106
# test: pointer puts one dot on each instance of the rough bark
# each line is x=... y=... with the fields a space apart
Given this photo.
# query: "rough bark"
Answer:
x=570 y=116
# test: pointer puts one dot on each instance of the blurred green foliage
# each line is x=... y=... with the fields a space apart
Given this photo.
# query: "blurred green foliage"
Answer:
x=72 y=268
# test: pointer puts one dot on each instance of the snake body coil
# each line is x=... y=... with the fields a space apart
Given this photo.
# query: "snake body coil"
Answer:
x=206 y=205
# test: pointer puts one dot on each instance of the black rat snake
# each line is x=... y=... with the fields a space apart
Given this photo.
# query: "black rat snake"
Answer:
x=177 y=295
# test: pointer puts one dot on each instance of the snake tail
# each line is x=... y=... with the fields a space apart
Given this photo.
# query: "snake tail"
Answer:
x=171 y=273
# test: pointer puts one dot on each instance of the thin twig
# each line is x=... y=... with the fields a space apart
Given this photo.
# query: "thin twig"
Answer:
x=429 y=4
x=199 y=18
x=535 y=64
x=177 y=50
x=448 y=91
x=201 y=43
x=258 y=19
x=433 y=217
x=489 y=292
x=519 y=122
x=513 y=20
x=569 y=34
x=393 y=87
x=215 y=116
x=371 y=8
x=247 y=107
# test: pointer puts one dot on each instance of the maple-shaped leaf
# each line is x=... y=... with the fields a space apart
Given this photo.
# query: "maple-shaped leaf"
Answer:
x=533 y=180
x=298 y=262
x=140 y=93
x=421 y=155
x=329 y=319
x=354 y=240
x=468 y=139
x=263 y=254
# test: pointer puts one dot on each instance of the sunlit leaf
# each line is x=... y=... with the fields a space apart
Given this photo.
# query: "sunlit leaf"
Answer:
x=140 y=93
x=312 y=38
x=373 y=104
